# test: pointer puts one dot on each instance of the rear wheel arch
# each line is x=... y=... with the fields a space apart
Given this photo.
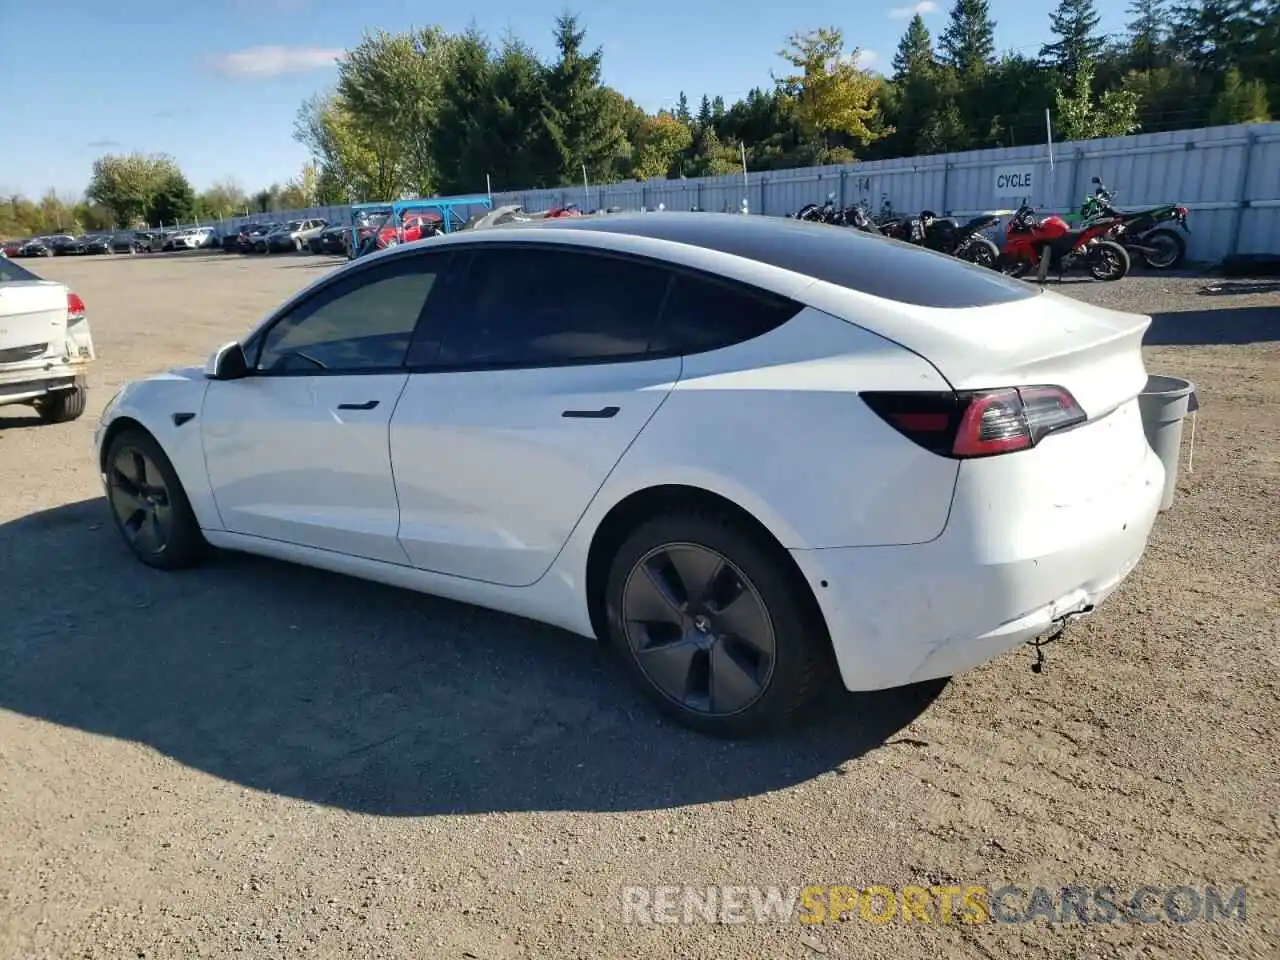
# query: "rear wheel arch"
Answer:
x=643 y=505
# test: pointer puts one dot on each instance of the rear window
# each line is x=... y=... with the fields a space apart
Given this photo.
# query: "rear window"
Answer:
x=10 y=272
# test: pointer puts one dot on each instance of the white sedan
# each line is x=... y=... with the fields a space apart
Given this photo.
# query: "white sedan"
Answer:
x=749 y=453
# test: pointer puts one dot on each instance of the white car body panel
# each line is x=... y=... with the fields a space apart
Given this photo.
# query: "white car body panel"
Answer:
x=492 y=477
x=285 y=463
x=474 y=487
x=152 y=403
x=34 y=312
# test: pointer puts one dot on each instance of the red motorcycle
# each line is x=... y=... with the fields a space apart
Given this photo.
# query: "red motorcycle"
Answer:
x=1039 y=244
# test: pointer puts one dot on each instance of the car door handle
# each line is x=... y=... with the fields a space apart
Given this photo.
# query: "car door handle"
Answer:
x=367 y=405
x=604 y=413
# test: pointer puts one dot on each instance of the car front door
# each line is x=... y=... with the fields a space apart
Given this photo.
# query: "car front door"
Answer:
x=297 y=450
x=509 y=425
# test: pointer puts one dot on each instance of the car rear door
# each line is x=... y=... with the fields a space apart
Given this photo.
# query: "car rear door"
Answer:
x=514 y=416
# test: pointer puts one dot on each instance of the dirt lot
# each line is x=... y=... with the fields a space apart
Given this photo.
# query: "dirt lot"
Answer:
x=259 y=760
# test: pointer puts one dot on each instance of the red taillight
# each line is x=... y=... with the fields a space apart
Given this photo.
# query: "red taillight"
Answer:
x=75 y=306
x=1182 y=212
x=977 y=423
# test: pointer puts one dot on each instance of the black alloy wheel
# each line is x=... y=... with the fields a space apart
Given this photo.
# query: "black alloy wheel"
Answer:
x=714 y=624
x=698 y=629
x=148 y=504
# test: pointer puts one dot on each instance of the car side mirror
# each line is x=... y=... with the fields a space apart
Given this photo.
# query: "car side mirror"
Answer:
x=228 y=362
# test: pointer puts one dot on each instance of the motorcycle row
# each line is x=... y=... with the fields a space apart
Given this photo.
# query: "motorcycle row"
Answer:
x=1102 y=243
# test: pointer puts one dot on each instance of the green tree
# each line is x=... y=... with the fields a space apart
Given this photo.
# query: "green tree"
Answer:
x=1241 y=101
x=704 y=112
x=1147 y=32
x=833 y=95
x=174 y=201
x=915 y=50
x=576 y=130
x=1080 y=117
x=1074 y=23
x=390 y=86
x=969 y=42
x=224 y=199
x=682 y=110
x=127 y=184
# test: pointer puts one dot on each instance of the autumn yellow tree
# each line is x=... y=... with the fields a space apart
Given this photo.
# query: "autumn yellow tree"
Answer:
x=662 y=139
x=833 y=95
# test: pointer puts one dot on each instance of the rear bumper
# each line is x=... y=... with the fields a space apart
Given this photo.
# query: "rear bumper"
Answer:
x=899 y=615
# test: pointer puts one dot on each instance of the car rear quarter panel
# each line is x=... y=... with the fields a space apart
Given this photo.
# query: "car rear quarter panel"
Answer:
x=775 y=425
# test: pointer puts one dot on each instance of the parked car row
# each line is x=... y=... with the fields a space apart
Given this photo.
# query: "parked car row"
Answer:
x=289 y=236
x=128 y=241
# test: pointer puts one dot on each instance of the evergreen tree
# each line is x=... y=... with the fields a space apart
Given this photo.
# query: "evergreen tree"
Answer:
x=704 y=111
x=682 y=110
x=578 y=130
x=1147 y=31
x=1073 y=23
x=915 y=50
x=968 y=43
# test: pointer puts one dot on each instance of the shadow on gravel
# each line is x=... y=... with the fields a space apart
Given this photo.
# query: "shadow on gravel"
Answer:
x=1225 y=325
x=9 y=422
x=358 y=696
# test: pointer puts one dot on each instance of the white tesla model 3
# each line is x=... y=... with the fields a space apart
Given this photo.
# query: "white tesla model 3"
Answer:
x=745 y=451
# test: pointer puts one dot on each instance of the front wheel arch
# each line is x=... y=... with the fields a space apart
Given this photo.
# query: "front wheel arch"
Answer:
x=642 y=505
x=114 y=429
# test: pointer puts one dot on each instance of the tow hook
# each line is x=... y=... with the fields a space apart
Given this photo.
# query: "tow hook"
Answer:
x=1054 y=633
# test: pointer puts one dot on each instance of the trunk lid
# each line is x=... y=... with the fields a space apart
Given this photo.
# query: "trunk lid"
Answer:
x=33 y=314
x=1043 y=339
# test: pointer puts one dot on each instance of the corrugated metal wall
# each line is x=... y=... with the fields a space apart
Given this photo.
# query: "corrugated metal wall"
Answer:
x=1229 y=177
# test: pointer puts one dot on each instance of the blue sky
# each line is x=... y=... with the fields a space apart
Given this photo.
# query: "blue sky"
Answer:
x=216 y=83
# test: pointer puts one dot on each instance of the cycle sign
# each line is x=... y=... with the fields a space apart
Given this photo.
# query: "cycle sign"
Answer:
x=1015 y=181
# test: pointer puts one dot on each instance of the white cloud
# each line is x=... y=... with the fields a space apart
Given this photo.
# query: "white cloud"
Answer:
x=866 y=58
x=906 y=13
x=274 y=61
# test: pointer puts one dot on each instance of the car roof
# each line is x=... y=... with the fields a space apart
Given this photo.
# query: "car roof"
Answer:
x=842 y=256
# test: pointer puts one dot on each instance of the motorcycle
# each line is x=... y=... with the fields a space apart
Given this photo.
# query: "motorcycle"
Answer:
x=964 y=241
x=1042 y=243
x=1160 y=247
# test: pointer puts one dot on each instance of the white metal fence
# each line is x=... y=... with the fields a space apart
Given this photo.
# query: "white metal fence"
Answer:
x=1229 y=177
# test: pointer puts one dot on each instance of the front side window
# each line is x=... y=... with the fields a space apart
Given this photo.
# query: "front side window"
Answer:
x=528 y=306
x=363 y=322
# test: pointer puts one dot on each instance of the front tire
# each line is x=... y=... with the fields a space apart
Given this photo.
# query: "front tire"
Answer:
x=1108 y=261
x=63 y=406
x=1170 y=247
x=712 y=626
x=148 y=504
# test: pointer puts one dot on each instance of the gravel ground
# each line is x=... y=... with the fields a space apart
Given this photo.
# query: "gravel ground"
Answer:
x=260 y=760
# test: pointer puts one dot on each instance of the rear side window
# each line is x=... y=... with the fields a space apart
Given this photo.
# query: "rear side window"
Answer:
x=542 y=307
x=705 y=314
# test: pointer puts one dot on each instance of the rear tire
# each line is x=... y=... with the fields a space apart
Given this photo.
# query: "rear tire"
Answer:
x=63 y=406
x=1172 y=247
x=149 y=505
x=735 y=653
x=1108 y=261
x=981 y=252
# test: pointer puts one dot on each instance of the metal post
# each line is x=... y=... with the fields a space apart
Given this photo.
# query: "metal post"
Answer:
x=946 y=186
x=1077 y=164
x=843 y=176
x=1242 y=199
